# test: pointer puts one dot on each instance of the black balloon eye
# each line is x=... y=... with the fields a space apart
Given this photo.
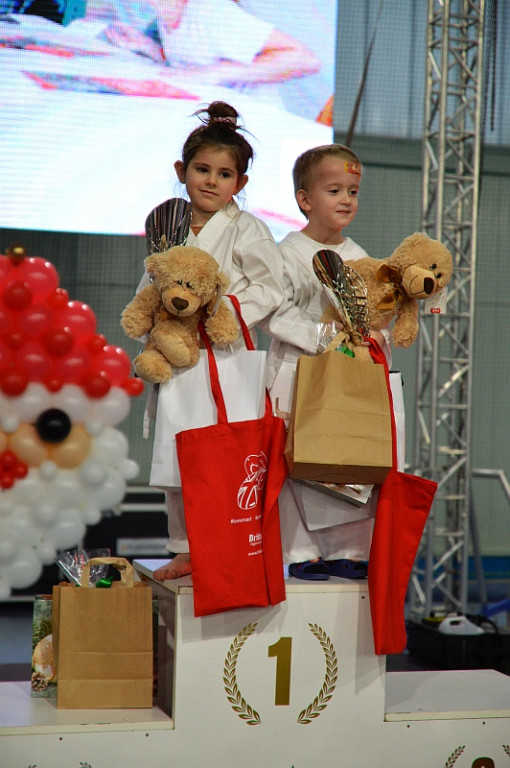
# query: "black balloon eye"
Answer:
x=53 y=425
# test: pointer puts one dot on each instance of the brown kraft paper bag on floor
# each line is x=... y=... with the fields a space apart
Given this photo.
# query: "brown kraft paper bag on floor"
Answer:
x=340 y=424
x=103 y=642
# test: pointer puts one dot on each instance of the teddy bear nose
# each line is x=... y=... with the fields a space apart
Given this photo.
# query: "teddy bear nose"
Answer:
x=428 y=285
x=180 y=304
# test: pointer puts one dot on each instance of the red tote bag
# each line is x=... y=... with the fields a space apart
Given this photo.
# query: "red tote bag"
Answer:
x=402 y=509
x=232 y=474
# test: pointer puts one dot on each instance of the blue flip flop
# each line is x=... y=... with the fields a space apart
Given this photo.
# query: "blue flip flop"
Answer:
x=347 y=569
x=310 y=570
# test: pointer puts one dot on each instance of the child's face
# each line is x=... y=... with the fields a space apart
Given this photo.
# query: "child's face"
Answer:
x=211 y=180
x=331 y=201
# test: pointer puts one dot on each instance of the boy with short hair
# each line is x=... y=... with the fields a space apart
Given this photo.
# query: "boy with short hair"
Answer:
x=326 y=185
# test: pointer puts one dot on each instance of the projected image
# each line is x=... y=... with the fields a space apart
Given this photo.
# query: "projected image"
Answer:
x=98 y=98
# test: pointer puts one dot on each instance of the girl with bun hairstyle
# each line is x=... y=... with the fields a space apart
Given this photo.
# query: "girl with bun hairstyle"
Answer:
x=213 y=166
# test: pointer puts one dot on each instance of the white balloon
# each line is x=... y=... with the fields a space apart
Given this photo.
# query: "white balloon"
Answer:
x=48 y=469
x=46 y=551
x=90 y=514
x=28 y=489
x=9 y=423
x=24 y=570
x=129 y=469
x=5 y=506
x=45 y=512
x=72 y=400
x=111 y=447
x=8 y=548
x=111 y=493
x=112 y=408
x=92 y=472
x=69 y=529
x=34 y=400
x=5 y=588
x=93 y=427
x=22 y=526
x=66 y=488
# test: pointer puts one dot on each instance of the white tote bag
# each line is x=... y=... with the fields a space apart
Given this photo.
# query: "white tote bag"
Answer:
x=186 y=402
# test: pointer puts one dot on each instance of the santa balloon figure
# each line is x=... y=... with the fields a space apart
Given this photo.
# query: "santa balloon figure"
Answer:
x=63 y=389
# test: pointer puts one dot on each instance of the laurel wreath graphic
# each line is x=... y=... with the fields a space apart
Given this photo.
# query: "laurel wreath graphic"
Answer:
x=239 y=705
x=454 y=757
x=506 y=749
x=320 y=702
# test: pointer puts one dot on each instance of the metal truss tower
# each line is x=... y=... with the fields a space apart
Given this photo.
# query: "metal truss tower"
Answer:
x=451 y=168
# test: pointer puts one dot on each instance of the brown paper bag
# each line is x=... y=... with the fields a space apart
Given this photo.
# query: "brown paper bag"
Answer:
x=340 y=426
x=103 y=642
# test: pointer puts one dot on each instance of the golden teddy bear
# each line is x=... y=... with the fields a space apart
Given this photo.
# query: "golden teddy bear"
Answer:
x=417 y=269
x=186 y=288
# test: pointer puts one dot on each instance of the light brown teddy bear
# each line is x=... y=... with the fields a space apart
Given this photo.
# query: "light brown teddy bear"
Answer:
x=186 y=288
x=417 y=269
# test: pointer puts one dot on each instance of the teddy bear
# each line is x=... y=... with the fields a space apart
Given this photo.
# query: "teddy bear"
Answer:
x=186 y=287
x=417 y=269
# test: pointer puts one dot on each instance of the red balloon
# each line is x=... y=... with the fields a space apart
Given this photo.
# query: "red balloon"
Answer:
x=114 y=363
x=6 y=320
x=11 y=466
x=33 y=360
x=6 y=480
x=72 y=367
x=53 y=382
x=78 y=319
x=41 y=276
x=17 y=295
x=96 y=343
x=96 y=385
x=58 y=342
x=8 y=459
x=58 y=299
x=20 y=471
x=133 y=387
x=14 y=339
x=13 y=383
x=36 y=320
x=5 y=355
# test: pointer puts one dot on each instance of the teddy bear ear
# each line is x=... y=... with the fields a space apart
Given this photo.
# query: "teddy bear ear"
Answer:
x=386 y=273
x=150 y=263
x=214 y=302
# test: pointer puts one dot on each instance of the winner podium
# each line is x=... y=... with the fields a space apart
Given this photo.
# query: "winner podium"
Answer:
x=292 y=686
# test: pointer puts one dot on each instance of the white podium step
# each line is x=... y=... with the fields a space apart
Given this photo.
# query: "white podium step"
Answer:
x=294 y=686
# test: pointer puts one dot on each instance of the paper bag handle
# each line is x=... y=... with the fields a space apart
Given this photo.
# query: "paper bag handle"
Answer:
x=124 y=567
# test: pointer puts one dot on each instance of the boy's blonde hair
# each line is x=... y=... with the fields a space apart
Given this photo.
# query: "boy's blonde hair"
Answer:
x=305 y=165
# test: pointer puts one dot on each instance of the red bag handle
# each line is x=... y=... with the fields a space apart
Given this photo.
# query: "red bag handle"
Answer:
x=213 y=367
x=379 y=357
x=246 y=331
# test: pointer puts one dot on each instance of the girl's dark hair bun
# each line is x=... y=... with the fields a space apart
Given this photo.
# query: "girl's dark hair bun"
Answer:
x=219 y=112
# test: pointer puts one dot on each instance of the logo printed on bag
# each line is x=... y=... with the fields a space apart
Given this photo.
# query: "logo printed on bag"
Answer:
x=255 y=468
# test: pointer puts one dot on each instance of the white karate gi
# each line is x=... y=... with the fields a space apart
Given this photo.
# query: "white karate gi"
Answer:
x=246 y=251
x=294 y=329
